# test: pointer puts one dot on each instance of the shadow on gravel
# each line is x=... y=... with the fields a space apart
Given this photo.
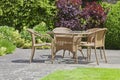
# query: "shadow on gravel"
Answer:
x=47 y=60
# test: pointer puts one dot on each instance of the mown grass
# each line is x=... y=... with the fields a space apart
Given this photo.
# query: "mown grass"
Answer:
x=85 y=74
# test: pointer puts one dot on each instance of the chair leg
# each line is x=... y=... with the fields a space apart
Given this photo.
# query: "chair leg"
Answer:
x=63 y=53
x=32 y=54
x=81 y=52
x=53 y=54
x=89 y=53
x=101 y=53
x=53 y=51
x=104 y=54
x=69 y=53
x=76 y=57
x=73 y=56
x=96 y=57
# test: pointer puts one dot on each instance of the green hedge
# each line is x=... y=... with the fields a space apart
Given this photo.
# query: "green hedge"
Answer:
x=28 y=13
x=20 y=13
x=113 y=25
x=6 y=47
x=12 y=35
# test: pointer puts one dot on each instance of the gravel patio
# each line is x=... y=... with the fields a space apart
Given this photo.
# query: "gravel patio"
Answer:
x=16 y=66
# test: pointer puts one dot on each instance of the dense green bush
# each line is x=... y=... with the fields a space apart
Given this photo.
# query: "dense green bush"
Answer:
x=113 y=25
x=39 y=15
x=6 y=47
x=42 y=29
x=20 y=13
x=11 y=35
x=27 y=38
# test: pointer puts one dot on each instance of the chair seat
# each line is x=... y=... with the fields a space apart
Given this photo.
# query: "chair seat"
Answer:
x=87 y=44
x=83 y=42
x=42 y=44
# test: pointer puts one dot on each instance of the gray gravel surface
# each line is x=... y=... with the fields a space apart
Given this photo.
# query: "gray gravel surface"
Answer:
x=16 y=66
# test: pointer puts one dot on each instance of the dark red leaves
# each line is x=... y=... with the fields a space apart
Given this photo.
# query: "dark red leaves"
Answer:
x=94 y=11
x=70 y=14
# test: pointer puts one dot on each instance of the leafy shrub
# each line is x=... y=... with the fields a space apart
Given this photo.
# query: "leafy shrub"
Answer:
x=20 y=13
x=77 y=16
x=11 y=35
x=6 y=47
x=41 y=28
x=27 y=38
x=68 y=14
x=113 y=25
x=94 y=15
x=2 y=51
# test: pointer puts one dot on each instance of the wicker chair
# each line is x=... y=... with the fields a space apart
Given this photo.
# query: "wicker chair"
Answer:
x=96 y=40
x=64 y=41
x=34 y=44
x=90 y=37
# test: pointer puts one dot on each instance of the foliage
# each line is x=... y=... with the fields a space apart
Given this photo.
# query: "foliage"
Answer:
x=85 y=74
x=113 y=25
x=77 y=16
x=20 y=13
x=68 y=14
x=6 y=47
x=41 y=29
x=25 y=35
x=86 y=1
x=11 y=35
x=2 y=51
x=27 y=38
x=94 y=15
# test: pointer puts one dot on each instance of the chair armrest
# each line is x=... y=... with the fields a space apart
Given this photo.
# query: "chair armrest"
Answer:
x=34 y=32
x=46 y=36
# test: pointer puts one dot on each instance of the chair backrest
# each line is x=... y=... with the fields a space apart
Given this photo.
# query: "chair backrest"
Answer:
x=90 y=37
x=64 y=41
x=61 y=30
x=33 y=35
x=93 y=29
x=100 y=37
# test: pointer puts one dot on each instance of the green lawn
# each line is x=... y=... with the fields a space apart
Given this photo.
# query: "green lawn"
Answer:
x=85 y=74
